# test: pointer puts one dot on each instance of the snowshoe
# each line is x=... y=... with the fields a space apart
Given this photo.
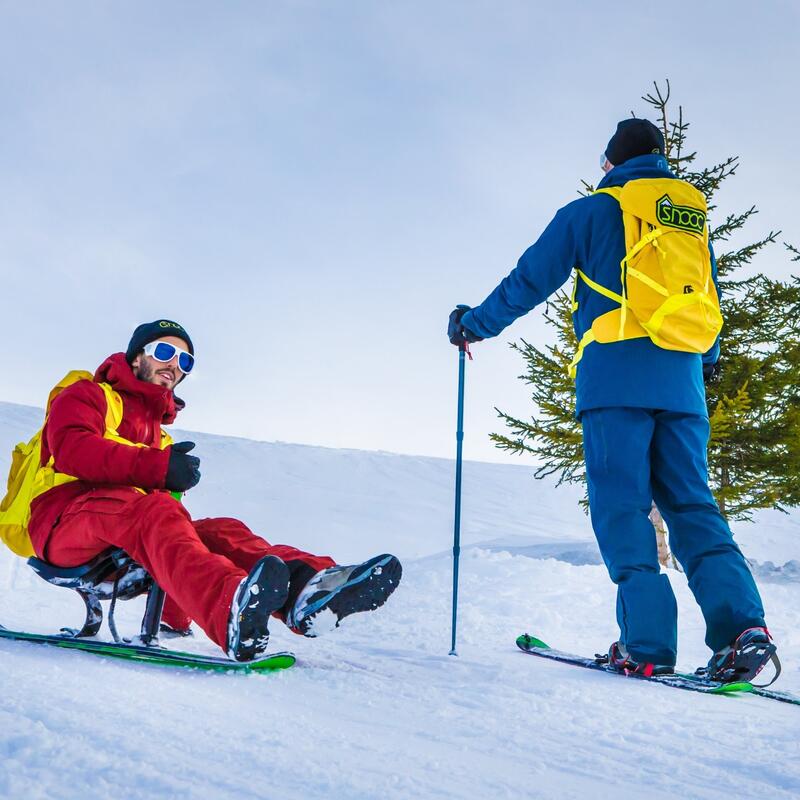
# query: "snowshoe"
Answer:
x=744 y=658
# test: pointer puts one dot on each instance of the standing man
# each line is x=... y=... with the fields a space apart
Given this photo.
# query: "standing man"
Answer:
x=106 y=477
x=639 y=378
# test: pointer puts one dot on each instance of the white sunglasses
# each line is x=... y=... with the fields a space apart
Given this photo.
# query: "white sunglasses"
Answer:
x=164 y=352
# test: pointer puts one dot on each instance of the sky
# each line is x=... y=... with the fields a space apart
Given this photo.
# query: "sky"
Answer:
x=310 y=187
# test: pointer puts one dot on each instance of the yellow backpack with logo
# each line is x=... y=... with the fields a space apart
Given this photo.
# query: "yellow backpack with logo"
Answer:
x=667 y=291
x=28 y=478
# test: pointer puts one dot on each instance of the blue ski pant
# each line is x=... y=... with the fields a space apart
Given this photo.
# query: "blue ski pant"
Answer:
x=635 y=456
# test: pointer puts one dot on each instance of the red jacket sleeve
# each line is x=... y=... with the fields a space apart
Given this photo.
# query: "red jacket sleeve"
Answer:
x=74 y=437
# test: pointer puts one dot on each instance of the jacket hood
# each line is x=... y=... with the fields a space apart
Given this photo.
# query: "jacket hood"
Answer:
x=116 y=371
x=647 y=166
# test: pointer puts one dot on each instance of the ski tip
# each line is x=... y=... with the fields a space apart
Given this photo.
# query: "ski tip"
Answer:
x=270 y=663
x=528 y=642
x=730 y=688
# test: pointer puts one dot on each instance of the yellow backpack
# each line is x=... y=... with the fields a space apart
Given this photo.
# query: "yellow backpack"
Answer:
x=667 y=289
x=27 y=478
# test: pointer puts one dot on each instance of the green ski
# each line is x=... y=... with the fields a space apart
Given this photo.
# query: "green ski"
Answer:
x=154 y=655
x=693 y=683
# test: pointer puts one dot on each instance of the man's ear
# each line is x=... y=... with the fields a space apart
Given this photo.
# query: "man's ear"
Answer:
x=136 y=361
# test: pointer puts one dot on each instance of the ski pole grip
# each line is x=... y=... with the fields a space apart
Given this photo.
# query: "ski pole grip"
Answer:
x=464 y=346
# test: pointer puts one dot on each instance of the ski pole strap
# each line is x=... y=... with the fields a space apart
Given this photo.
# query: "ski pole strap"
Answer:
x=465 y=347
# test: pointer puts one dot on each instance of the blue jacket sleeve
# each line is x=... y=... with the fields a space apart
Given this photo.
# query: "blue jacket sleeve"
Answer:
x=712 y=355
x=543 y=268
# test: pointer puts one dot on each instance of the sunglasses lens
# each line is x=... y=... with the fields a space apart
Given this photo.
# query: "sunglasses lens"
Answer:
x=186 y=362
x=164 y=352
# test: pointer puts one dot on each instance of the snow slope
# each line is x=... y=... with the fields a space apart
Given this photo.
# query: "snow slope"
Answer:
x=378 y=709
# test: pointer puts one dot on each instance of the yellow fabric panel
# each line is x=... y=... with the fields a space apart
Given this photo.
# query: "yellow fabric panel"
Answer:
x=606 y=327
x=694 y=317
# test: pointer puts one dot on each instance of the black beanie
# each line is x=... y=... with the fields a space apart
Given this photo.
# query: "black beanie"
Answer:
x=150 y=331
x=634 y=137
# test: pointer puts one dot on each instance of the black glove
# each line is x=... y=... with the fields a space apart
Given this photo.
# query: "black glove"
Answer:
x=456 y=332
x=711 y=372
x=183 y=471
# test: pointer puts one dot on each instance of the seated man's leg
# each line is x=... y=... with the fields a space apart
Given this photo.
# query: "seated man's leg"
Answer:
x=617 y=451
x=234 y=540
x=717 y=572
x=316 y=583
x=157 y=533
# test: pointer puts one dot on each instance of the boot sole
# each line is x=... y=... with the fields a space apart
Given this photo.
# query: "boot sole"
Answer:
x=271 y=576
x=368 y=588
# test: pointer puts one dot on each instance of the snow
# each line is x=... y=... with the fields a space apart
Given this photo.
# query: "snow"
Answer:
x=376 y=708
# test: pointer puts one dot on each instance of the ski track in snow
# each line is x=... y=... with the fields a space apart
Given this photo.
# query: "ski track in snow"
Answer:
x=377 y=709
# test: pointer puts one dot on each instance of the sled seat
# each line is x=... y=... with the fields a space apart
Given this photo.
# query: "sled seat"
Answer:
x=93 y=574
x=111 y=575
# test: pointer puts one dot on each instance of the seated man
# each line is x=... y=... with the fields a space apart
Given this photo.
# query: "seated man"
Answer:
x=111 y=487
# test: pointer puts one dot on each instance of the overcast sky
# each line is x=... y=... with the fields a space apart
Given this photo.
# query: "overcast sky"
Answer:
x=310 y=187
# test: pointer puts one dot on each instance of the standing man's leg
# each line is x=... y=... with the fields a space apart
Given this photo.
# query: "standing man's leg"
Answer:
x=701 y=540
x=617 y=450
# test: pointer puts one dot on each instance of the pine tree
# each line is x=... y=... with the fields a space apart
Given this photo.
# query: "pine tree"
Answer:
x=754 y=404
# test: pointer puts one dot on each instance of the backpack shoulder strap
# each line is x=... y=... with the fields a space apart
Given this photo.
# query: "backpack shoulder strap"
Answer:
x=613 y=191
x=113 y=408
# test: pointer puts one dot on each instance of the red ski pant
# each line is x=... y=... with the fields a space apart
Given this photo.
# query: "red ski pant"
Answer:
x=198 y=563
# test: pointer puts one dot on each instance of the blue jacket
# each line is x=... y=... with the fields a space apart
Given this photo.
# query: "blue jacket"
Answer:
x=588 y=233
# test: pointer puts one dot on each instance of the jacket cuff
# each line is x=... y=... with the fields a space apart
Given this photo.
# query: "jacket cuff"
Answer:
x=151 y=468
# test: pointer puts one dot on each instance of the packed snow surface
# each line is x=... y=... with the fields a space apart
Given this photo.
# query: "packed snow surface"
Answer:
x=377 y=708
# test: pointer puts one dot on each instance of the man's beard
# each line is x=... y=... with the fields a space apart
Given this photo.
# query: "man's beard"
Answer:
x=147 y=372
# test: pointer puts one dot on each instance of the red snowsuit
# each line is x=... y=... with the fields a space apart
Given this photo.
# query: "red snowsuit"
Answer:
x=198 y=563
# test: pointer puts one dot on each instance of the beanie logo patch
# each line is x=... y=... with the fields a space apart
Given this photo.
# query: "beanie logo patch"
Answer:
x=167 y=324
x=684 y=218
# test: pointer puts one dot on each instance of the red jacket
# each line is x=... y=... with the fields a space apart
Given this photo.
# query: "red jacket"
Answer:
x=73 y=435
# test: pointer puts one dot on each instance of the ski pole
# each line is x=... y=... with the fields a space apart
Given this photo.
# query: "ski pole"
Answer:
x=463 y=350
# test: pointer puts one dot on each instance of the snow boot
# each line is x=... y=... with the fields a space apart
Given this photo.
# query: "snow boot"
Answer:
x=744 y=658
x=263 y=591
x=337 y=592
x=620 y=660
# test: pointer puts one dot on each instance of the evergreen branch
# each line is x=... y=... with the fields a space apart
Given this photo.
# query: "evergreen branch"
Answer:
x=727 y=262
x=722 y=232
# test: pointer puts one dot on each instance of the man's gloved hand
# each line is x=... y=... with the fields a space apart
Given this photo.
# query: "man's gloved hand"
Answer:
x=183 y=471
x=456 y=332
x=711 y=372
